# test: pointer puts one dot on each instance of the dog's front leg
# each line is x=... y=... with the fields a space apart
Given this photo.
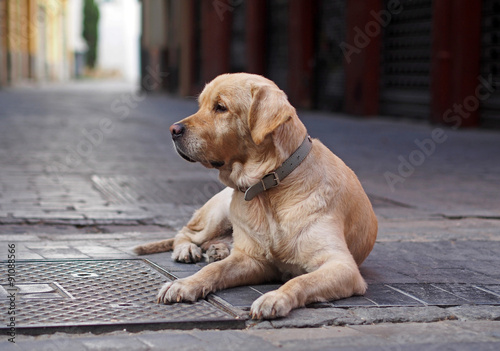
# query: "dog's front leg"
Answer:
x=335 y=279
x=237 y=269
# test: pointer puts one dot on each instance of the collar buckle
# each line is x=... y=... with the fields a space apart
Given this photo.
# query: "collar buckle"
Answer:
x=275 y=179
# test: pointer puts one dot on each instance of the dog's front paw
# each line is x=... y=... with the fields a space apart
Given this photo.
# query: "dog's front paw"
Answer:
x=187 y=253
x=274 y=304
x=179 y=291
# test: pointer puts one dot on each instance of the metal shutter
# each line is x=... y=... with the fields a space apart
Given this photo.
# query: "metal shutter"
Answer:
x=238 y=59
x=406 y=61
x=277 y=42
x=329 y=87
x=490 y=60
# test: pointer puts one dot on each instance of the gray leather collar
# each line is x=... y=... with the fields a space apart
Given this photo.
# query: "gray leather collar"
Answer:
x=273 y=179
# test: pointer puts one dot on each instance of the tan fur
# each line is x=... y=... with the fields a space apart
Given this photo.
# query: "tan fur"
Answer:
x=316 y=227
x=156 y=247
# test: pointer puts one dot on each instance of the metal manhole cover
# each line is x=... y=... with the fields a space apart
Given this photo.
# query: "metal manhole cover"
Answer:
x=98 y=295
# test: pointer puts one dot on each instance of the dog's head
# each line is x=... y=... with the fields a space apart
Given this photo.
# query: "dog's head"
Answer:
x=245 y=127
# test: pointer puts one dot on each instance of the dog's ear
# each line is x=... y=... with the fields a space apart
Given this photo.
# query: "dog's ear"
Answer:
x=270 y=109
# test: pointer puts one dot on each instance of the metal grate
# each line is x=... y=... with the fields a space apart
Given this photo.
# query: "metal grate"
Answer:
x=100 y=295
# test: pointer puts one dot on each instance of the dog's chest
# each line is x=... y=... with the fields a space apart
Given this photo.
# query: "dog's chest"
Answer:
x=257 y=221
x=288 y=270
x=274 y=238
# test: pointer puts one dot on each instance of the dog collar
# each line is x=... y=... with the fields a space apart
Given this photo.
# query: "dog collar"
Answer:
x=273 y=179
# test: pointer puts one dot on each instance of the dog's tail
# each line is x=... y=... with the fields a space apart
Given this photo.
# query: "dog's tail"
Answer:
x=156 y=247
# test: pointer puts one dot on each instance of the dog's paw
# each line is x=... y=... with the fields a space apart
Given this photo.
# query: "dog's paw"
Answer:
x=274 y=304
x=179 y=291
x=217 y=252
x=187 y=253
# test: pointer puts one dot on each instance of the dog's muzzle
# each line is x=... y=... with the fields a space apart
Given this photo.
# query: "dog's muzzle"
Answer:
x=182 y=154
x=177 y=130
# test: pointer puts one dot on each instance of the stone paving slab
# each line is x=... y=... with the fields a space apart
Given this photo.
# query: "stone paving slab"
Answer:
x=385 y=295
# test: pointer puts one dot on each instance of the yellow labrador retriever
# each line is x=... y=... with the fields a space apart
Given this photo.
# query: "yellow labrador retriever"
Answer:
x=296 y=211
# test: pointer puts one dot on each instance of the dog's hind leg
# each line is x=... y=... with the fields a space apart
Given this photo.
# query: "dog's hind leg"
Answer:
x=211 y=221
x=209 y=225
x=218 y=248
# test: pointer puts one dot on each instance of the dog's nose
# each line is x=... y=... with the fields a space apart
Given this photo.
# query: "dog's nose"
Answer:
x=177 y=130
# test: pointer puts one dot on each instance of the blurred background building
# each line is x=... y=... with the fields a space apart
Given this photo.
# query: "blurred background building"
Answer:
x=119 y=37
x=437 y=60
x=41 y=40
x=33 y=43
x=412 y=58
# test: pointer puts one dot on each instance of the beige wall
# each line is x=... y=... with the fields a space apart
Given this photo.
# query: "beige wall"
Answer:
x=34 y=40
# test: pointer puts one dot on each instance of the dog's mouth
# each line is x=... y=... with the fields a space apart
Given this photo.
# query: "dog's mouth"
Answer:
x=214 y=164
x=183 y=155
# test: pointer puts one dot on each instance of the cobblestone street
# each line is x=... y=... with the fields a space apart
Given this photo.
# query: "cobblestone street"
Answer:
x=87 y=171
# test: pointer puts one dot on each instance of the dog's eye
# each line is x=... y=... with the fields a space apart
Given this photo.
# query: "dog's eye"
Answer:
x=220 y=108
